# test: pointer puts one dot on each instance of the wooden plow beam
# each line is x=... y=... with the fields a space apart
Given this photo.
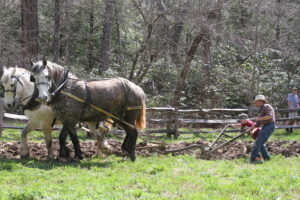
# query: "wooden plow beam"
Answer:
x=221 y=136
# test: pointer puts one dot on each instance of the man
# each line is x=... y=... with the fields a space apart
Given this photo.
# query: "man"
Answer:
x=266 y=120
x=293 y=103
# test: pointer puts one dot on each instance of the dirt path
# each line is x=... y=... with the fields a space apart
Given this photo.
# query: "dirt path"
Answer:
x=10 y=150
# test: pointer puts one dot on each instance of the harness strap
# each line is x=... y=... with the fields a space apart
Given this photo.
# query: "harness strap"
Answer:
x=96 y=108
x=32 y=103
x=87 y=99
x=53 y=122
x=60 y=87
x=134 y=108
x=17 y=80
x=126 y=103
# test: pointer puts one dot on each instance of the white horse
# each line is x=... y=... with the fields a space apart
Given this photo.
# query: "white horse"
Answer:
x=19 y=90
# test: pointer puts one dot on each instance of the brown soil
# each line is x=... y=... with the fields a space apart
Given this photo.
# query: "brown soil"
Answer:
x=10 y=150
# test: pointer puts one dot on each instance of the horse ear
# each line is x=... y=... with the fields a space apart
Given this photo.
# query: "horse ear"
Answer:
x=49 y=71
x=31 y=63
x=4 y=69
x=14 y=71
x=44 y=62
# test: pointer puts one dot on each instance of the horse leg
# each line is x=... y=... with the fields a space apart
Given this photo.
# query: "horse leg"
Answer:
x=103 y=146
x=75 y=141
x=94 y=131
x=131 y=134
x=125 y=142
x=24 y=148
x=63 y=151
x=100 y=134
x=48 y=140
x=131 y=142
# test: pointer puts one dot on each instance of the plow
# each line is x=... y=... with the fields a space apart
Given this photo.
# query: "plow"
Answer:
x=222 y=140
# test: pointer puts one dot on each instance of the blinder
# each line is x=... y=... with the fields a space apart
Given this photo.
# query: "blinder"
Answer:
x=32 y=79
x=14 y=91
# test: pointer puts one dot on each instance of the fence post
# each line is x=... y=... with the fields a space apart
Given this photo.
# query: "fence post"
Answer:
x=250 y=111
x=169 y=124
x=175 y=131
x=1 y=116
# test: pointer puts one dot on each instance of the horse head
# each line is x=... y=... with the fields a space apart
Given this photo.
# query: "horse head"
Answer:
x=46 y=75
x=13 y=86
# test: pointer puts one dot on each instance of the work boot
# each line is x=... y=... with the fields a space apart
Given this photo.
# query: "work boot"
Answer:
x=267 y=159
x=256 y=162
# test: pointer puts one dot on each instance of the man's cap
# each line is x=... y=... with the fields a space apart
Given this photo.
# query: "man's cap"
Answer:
x=294 y=88
x=260 y=98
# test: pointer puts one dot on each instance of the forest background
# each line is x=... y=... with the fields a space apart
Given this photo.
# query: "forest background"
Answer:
x=183 y=53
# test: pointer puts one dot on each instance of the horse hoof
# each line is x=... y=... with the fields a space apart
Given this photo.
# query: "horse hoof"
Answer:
x=132 y=157
x=106 y=150
x=77 y=159
x=50 y=157
x=80 y=157
x=62 y=160
x=24 y=156
x=125 y=158
x=64 y=154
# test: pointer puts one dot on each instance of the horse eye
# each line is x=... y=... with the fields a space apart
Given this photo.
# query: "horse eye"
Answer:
x=12 y=85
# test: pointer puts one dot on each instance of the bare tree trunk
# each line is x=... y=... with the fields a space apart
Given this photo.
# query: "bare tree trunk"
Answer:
x=277 y=28
x=176 y=35
x=206 y=43
x=91 y=32
x=183 y=74
x=255 y=80
x=202 y=36
x=106 y=36
x=67 y=38
x=56 y=36
x=118 y=10
x=30 y=30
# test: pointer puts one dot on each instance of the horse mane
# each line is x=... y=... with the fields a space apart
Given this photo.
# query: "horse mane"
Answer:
x=56 y=72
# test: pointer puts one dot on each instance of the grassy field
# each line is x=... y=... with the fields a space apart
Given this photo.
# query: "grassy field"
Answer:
x=158 y=177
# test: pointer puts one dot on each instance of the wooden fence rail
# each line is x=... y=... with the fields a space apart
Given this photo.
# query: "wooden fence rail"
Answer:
x=170 y=120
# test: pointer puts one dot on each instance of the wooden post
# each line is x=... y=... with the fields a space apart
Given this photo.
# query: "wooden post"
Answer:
x=250 y=111
x=1 y=116
x=169 y=124
x=175 y=131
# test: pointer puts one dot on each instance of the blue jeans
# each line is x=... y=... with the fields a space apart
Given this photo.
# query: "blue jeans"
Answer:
x=259 y=145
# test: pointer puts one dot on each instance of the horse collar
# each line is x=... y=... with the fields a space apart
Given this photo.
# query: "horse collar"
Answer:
x=60 y=86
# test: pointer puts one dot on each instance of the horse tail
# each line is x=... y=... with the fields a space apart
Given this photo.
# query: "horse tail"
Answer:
x=141 y=120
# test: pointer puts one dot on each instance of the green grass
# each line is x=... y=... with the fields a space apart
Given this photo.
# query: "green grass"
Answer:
x=181 y=177
x=158 y=177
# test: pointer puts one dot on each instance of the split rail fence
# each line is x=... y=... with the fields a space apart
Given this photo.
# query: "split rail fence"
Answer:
x=172 y=121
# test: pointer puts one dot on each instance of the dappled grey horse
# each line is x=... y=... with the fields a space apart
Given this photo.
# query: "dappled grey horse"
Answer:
x=117 y=98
